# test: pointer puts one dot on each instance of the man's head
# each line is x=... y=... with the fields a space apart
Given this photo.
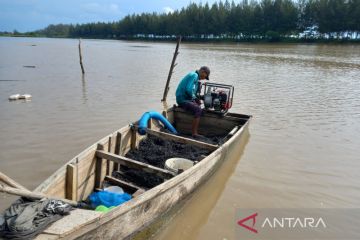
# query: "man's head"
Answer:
x=204 y=72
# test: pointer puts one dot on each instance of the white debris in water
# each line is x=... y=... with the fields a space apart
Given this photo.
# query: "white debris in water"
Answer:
x=14 y=97
x=25 y=96
x=18 y=96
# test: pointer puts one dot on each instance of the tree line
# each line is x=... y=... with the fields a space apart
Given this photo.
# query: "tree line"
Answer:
x=245 y=20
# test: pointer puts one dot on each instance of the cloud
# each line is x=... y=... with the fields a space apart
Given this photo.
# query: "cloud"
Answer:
x=98 y=8
x=168 y=10
x=114 y=7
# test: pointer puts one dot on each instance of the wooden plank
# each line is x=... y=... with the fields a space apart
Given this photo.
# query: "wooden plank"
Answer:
x=86 y=166
x=45 y=236
x=71 y=182
x=107 y=161
x=91 y=178
x=86 y=188
x=58 y=186
x=129 y=187
x=184 y=140
x=209 y=125
x=118 y=143
x=77 y=219
x=184 y=126
x=229 y=116
x=125 y=141
x=86 y=173
x=212 y=118
x=135 y=164
x=111 y=148
x=133 y=138
x=117 y=148
x=99 y=168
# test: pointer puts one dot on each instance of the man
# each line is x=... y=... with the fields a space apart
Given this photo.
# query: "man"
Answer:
x=186 y=95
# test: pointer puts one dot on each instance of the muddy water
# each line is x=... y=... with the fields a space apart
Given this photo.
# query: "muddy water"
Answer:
x=302 y=148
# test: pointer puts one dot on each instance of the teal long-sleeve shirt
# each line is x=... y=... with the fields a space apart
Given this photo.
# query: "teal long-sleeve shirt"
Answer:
x=187 y=88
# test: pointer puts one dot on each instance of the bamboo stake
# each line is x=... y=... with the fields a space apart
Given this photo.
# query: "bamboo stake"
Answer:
x=81 y=64
x=19 y=190
x=32 y=195
x=173 y=64
x=11 y=182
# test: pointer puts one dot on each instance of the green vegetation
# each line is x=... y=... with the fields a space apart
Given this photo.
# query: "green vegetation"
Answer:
x=265 y=20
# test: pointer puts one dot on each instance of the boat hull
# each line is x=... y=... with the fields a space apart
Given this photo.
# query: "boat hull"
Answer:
x=85 y=173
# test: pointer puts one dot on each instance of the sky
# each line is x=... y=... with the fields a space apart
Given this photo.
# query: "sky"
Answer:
x=30 y=15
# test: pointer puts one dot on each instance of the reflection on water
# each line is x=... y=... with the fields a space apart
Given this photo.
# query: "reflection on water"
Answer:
x=303 y=150
x=84 y=90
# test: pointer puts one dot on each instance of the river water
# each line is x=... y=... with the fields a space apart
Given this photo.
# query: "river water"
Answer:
x=301 y=151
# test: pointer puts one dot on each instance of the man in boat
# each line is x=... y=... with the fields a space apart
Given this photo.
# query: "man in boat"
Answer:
x=186 y=95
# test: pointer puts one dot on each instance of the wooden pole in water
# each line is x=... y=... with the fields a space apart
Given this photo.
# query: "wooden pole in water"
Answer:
x=81 y=64
x=173 y=64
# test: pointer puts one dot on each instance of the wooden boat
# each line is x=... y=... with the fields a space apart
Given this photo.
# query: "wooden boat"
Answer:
x=87 y=171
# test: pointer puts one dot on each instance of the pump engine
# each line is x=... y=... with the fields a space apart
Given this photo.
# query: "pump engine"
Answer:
x=217 y=97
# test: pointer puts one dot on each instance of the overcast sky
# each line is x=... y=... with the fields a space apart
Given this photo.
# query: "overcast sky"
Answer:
x=29 y=15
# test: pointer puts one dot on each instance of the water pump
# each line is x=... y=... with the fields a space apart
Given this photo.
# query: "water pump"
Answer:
x=217 y=97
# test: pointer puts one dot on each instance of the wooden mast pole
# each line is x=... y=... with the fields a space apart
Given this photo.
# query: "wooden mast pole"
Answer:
x=173 y=64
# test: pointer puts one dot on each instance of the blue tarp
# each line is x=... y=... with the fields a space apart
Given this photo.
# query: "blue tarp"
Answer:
x=108 y=199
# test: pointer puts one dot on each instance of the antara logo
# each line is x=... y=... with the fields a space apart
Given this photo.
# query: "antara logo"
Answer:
x=242 y=223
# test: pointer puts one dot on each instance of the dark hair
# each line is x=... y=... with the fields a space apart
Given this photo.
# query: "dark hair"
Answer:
x=205 y=69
